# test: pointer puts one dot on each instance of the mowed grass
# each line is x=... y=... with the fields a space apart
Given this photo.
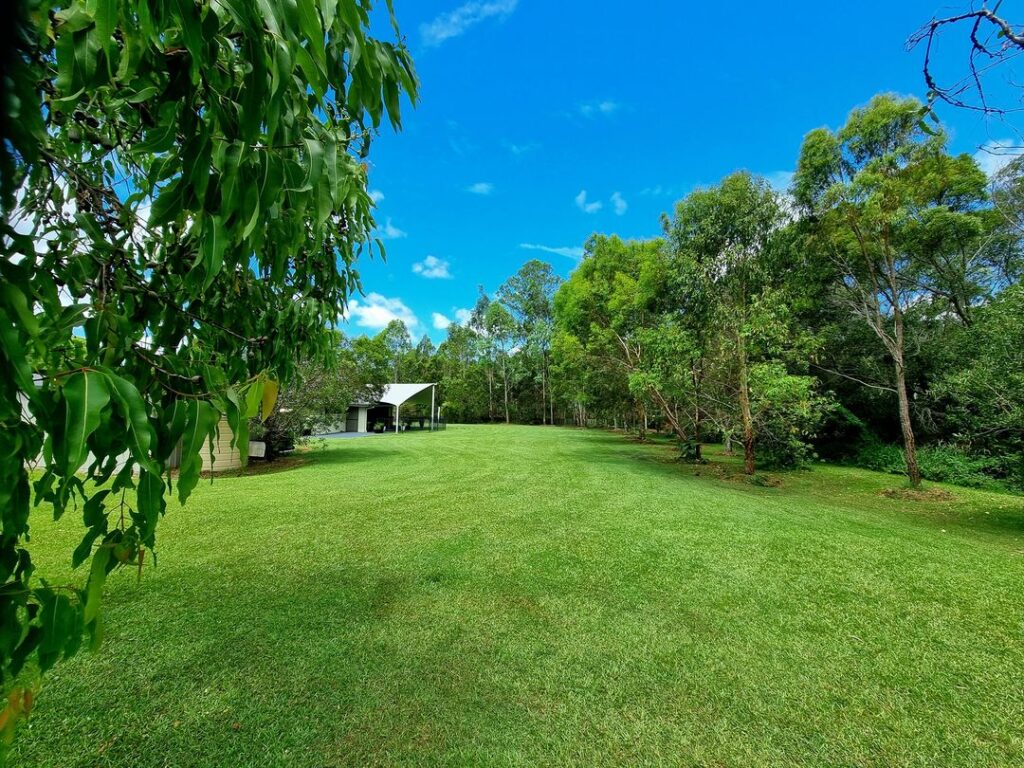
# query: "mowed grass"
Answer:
x=525 y=596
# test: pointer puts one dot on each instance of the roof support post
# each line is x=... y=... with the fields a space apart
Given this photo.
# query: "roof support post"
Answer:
x=398 y=408
x=432 y=388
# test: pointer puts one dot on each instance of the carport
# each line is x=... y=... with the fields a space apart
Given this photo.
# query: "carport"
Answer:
x=415 y=397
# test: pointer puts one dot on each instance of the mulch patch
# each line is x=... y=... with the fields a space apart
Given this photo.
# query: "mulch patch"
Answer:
x=917 y=494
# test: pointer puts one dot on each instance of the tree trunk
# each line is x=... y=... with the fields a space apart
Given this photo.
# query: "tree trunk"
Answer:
x=696 y=433
x=543 y=397
x=748 y=421
x=490 y=394
x=504 y=378
x=909 y=444
x=696 y=416
x=671 y=415
x=551 y=402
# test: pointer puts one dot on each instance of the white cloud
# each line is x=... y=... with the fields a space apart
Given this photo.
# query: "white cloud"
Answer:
x=440 y=321
x=583 y=205
x=376 y=195
x=463 y=316
x=481 y=188
x=569 y=252
x=457 y=22
x=592 y=108
x=995 y=155
x=432 y=268
x=390 y=232
x=520 y=149
x=376 y=311
x=621 y=206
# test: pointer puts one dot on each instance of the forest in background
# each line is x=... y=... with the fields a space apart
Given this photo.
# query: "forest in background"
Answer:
x=871 y=313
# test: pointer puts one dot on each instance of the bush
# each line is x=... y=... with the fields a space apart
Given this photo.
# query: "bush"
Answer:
x=787 y=411
x=940 y=463
x=841 y=434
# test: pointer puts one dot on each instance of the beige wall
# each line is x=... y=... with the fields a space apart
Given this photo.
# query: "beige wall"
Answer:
x=224 y=456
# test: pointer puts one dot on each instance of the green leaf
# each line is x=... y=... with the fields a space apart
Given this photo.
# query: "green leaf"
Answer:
x=168 y=204
x=253 y=397
x=58 y=627
x=200 y=427
x=132 y=409
x=94 y=587
x=309 y=23
x=215 y=241
x=16 y=299
x=314 y=162
x=86 y=394
x=151 y=504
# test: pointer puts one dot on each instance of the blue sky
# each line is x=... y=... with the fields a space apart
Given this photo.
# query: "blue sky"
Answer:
x=542 y=122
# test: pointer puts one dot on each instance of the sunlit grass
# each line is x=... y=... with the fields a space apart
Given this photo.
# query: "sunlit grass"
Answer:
x=531 y=596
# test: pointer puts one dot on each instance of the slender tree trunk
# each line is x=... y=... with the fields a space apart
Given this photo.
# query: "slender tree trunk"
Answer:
x=748 y=421
x=909 y=444
x=543 y=396
x=671 y=414
x=504 y=377
x=551 y=402
x=696 y=433
x=490 y=394
x=696 y=415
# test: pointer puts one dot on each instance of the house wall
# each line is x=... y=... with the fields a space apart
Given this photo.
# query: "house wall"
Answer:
x=224 y=456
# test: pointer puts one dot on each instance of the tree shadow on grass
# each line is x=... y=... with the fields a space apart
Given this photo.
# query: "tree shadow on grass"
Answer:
x=348 y=454
x=963 y=508
x=346 y=667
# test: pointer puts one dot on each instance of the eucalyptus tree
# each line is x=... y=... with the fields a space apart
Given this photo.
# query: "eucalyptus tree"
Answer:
x=395 y=337
x=609 y=307
x=529 y=296
x=485 y=344
x=899 y=221
x=183 y=189
x=726 y=232
x=463 y=376
x=500 y=327
x=421 y=362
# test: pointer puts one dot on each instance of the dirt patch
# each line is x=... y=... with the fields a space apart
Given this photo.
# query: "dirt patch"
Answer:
x=917 y=494
x=728 y=474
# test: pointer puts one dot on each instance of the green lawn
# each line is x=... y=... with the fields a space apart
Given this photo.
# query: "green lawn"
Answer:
x=535 y=596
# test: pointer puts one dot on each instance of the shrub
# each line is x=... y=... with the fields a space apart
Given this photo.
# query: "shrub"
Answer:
x=787 y=412
x=940 y=463
x=842 y=434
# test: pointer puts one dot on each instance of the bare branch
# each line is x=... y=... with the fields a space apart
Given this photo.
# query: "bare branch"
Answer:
x=993 y=40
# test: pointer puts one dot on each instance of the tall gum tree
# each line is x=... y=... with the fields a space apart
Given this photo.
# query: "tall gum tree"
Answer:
x=725 y=232
x=900 y=222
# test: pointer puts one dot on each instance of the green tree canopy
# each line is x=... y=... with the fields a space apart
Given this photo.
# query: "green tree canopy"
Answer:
x=183 y=190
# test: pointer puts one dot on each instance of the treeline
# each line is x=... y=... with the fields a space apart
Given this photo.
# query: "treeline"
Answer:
x=875 y=303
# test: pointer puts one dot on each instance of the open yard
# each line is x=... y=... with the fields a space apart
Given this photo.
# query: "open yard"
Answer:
x=528 y=596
